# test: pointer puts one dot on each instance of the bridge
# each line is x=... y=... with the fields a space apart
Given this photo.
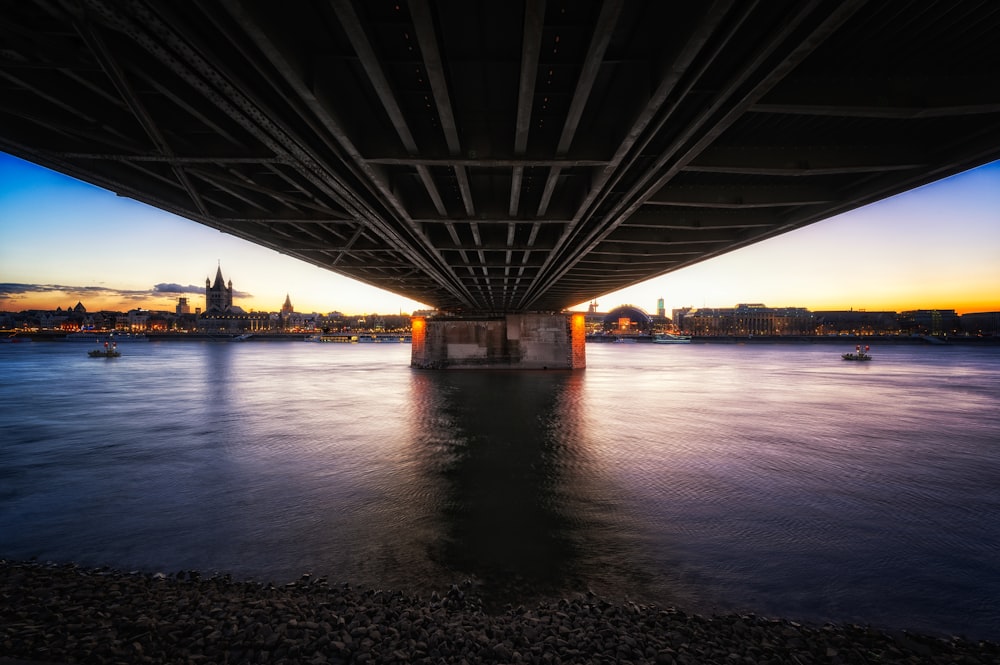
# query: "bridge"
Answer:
x=502 y=157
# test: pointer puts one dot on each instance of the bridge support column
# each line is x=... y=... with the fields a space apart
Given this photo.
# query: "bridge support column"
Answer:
x=512 y=341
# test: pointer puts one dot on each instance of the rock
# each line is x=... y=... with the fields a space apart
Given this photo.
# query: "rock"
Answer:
x=66 y=614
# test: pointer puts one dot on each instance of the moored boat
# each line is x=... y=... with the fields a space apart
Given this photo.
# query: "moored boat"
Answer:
x=349 y=338
x=105 y=337
x=670 y=338
x=344 y=338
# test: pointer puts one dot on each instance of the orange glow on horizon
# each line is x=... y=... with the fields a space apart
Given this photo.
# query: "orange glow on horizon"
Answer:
x=969 y=305
x=48 y=301
x=94 y=302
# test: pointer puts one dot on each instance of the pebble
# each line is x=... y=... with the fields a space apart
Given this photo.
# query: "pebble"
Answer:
x=66 y=614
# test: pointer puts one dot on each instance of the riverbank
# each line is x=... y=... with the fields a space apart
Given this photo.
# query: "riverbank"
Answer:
x=65 y=614
x=841 y=340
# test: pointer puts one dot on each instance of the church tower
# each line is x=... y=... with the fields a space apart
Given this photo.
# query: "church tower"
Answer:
x=287 y=308
x=218 y=296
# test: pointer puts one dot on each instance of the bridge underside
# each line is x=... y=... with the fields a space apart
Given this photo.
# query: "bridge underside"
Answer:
x=502 y=156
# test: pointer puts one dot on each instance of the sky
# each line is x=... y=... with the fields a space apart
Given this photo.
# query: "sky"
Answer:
x=63 y=241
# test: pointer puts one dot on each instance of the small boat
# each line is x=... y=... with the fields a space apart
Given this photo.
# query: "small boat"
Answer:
x=670 y=338
x=242 y=338
x=14 y=339
x=107 y=352
x=858 y=354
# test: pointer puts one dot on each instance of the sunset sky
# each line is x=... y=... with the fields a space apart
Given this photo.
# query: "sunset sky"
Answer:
x=63 y=241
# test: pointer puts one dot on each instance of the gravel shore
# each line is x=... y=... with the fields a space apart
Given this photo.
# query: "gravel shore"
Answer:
x=65 y=614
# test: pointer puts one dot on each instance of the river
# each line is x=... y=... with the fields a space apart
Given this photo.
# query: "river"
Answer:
x=767 y=478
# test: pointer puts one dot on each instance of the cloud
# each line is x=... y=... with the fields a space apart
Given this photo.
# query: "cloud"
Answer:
x=178 y=289
x=175 y=289
x=14 y=290
x=18 y=291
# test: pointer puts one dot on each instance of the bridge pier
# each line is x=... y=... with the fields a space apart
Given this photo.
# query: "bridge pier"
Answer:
x=511 y=341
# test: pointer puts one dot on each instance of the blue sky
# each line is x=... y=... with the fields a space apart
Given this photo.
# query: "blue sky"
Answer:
x=63 y=241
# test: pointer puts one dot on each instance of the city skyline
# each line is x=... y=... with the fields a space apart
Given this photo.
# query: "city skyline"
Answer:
x=64 y=241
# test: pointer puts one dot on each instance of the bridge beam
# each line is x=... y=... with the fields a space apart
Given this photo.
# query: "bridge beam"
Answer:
x=513 y=341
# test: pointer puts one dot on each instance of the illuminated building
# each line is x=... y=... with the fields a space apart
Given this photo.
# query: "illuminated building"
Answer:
x=747 y=319
x=628 y=320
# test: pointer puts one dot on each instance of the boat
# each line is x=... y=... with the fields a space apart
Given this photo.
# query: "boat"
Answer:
x=670 y=338
x=128 y=337
x=242 y=338
x=858 y=354
x=334 y=338
x=385 y=338
x=105 y=337
x=14 y=339
x=107 y=352
x=84 y=337
x=348 y=338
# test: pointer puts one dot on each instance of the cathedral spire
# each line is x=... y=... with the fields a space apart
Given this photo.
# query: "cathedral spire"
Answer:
x=219 y=282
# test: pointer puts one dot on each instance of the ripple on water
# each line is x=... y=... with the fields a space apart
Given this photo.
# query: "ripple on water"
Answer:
x=770 y=478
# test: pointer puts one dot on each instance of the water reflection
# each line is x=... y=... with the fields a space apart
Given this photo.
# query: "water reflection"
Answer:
x=511 y=466
x=218 y=384
x=714 y=478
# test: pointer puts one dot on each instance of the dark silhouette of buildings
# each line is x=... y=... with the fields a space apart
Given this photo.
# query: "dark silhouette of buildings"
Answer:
x=218 y=296
x=221 y=315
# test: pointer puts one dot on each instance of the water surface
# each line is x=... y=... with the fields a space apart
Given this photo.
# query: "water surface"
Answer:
x=772 y=478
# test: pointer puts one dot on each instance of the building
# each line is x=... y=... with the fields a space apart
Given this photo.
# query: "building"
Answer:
x=930 y=322
x=985 y=324
x=628 y=320
x=134 y=320
x=856 y=322
x=218 y=296
x=222 y=316
x=679 y=315
x=746 y=320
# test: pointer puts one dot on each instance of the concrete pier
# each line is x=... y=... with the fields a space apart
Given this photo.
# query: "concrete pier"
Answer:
x=511 y=341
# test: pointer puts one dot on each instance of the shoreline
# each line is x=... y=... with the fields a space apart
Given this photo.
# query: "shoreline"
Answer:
x=271 y=336
x=61 y=613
